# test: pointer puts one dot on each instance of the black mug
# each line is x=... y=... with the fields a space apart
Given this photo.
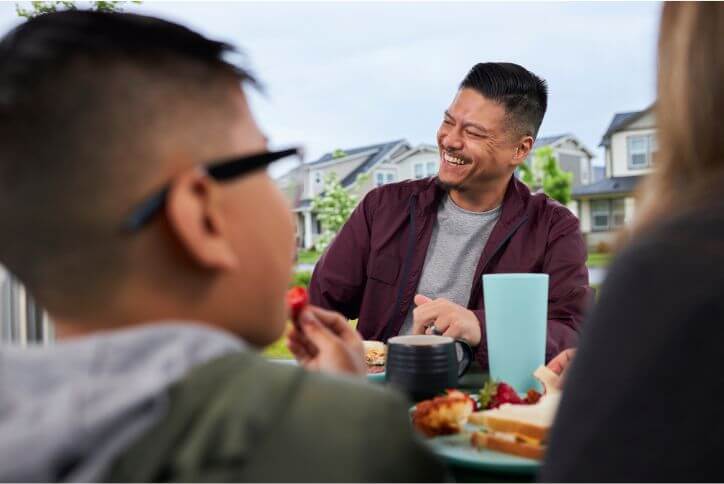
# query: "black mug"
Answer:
x=426 y=365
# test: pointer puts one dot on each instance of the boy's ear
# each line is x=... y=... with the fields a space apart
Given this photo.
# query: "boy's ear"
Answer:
x=197 y=223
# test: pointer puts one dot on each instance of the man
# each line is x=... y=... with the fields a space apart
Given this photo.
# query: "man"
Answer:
x=411 y=256
x=137 y=210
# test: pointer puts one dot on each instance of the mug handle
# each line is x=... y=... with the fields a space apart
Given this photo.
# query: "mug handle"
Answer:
x=465 y=356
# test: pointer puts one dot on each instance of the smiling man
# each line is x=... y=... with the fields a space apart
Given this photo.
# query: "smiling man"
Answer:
x=411 y=257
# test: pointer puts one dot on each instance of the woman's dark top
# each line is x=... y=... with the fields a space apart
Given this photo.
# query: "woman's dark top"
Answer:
x=644 y=398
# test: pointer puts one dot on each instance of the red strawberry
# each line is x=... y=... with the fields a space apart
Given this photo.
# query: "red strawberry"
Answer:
x=495 y=394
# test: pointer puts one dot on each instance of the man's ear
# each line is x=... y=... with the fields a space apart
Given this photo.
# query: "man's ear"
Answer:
x=196 y=222
x=521 y=150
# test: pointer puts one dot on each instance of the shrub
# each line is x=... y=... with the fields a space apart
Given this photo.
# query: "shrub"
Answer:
x=301 y=278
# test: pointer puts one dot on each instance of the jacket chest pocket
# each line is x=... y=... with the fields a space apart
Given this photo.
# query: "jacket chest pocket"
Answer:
x=384 y=268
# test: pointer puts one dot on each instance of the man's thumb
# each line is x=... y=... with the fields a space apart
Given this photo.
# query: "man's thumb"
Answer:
x=420 y=300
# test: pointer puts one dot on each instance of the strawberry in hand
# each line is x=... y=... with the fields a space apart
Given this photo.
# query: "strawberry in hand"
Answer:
x=297 y=299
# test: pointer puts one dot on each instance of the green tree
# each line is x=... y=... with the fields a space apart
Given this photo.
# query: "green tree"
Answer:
x=338 y=153
x=333 y=206
x=41 y=7
x=545 y=172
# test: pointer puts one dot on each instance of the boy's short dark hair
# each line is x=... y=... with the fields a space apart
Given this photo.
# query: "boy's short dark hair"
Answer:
x=90 y=103
x=523 y=94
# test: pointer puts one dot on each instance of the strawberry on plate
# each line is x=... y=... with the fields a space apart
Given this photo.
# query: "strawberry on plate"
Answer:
x=494 y=394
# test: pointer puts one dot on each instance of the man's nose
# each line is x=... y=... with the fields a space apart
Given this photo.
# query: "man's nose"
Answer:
x=452 y=141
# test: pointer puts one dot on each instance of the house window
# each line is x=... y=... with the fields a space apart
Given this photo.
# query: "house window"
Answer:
x=639 y=151
x=600 y=215
x=317 y=177
x=431 y=168
x=379 y=179
x=390 y=177
x=618 y=213
x=419 y=170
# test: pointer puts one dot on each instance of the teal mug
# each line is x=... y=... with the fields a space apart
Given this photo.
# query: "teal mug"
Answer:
x=516 y=315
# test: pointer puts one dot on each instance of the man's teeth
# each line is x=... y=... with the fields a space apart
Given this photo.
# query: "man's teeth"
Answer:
x=453 y=160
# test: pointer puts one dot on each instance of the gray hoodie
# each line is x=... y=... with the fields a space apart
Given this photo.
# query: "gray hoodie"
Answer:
x=67 y=410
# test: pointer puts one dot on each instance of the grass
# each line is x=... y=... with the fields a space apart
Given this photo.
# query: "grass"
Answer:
x=308 y=257
x=598 y=259
x=278 y=349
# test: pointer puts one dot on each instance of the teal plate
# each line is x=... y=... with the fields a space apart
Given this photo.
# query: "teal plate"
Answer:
x=458 y=451
x=376 y=377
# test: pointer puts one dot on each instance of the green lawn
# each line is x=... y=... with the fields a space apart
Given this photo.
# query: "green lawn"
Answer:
x=596 y=259
x=307 y=256
x=279 y=349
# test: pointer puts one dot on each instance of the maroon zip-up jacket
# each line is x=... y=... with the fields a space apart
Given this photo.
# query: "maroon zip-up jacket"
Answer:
x=372 y=268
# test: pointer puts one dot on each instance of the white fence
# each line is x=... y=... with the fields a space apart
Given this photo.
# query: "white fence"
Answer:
x=21 y=320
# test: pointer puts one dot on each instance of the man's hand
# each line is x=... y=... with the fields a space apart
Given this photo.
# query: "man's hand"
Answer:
x=327 y=342
x=561 y=363
x=448 y=318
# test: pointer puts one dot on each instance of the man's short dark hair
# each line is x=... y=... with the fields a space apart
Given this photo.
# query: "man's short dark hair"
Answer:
x=90 y=105
x=523 y=94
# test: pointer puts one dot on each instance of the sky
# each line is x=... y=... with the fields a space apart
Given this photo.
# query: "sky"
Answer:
x=348 y=74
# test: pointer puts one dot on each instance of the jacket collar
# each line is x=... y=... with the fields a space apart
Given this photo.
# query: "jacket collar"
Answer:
x=516 y=198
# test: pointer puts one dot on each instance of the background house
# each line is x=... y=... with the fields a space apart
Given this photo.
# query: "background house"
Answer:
x=572 y=155
x=396 y=161
x=384 y=162
x=608 y=204
x=21 y=320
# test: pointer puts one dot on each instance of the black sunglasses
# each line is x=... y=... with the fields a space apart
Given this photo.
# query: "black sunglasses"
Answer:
x=219 y=171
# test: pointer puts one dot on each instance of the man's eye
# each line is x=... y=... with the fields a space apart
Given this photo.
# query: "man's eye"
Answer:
x=447 y=121
x=475 y=134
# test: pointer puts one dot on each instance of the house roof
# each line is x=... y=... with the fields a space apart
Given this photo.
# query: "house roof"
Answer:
x=559 y=138
x=608 y=186
x=381 y=152
x=352 y=152
x=549 y=140
x=620 y=121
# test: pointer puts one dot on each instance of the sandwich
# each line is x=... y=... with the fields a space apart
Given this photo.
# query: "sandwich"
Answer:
x=375 y=354
x=516 y=429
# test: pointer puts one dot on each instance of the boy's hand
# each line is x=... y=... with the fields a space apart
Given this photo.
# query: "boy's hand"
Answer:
x=325 y=341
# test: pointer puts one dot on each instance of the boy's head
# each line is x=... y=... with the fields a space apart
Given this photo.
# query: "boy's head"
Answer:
x=97 y=111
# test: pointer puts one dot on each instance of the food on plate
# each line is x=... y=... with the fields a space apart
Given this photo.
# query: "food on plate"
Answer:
x=443 y=415
x=297 y=299
x=375 y=354
x=495 y=394
x=518 y=429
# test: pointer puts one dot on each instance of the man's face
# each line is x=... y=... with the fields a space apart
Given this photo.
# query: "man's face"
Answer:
x=476 y=145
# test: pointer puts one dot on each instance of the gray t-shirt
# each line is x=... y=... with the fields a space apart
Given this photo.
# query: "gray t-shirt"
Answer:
x=458 y=239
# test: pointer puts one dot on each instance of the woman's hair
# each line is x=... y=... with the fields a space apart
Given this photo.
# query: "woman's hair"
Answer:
x=689 y=165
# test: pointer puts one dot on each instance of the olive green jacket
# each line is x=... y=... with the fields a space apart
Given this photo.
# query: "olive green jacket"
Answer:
x=242 y=418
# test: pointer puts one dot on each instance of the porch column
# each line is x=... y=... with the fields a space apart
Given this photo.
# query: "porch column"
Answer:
x=308 y=229
x=629 y=209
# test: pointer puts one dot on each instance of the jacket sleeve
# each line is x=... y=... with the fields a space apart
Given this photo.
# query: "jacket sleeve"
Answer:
x=568 y=292
x=340 y=275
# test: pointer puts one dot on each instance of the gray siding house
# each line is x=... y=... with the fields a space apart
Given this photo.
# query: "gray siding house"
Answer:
x=606 y=206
